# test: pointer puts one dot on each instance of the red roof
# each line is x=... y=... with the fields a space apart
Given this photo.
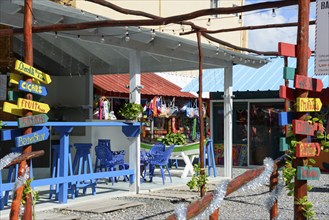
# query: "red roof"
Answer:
x=153 y=85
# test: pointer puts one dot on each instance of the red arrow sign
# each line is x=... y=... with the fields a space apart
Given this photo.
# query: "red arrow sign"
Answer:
x=307 y=149
x=303 y=127
x=289 y=50
x=307 y=83
x=287 y=93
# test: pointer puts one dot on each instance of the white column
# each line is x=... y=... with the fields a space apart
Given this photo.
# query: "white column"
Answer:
x=135 y=97
x=228 y=110
x=90 y=93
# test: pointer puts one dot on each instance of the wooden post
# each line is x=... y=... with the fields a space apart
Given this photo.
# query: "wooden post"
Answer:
x=202 y=190
x=273 y=184
x=28 y=58
x=302 y=65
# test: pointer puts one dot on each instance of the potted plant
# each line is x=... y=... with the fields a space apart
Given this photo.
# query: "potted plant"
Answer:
x=131 y=111
x=174 y=138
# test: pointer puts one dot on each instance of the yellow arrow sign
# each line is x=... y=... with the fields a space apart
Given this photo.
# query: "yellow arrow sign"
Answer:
x=32 y=72
x=14 y=79
x=12 y=109
x=33 y=105
x=308 y=104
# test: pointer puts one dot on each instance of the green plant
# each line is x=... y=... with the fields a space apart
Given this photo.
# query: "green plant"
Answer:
x=307 y=206
x=174 y=138
x=29 y=191
x=131 y=111
x=198 y=180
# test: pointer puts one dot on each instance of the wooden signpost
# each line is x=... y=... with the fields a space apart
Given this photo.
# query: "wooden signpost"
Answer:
x=283 y=144
x=307 y=83
x=32 y=88
x=32 y=72
x=289 y=73
x=308 y=173
x=32 y=138
x=303 y=127
x=308 y=149
x=287 y=93
x=32 y=120
x=290 y=50
x=32 y=105
x=14 y=78
x=308 y=105
x=12 y=109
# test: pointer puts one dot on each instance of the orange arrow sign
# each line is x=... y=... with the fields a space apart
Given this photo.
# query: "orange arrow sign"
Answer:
x=308 y=104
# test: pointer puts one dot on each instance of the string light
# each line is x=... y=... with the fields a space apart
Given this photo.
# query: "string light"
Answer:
x=102 y=39
x=273 y=13
x=35 y=22
x=153 y=34
x=79 y=37
x=182 y=27
x=97 y=18
x=240 y=19
x=209 y=22
x=82 y=12
x=56 y=36
x=217 y=50
x=127 y=38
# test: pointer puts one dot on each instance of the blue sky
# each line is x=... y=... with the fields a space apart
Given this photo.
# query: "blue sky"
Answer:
x=267 y=39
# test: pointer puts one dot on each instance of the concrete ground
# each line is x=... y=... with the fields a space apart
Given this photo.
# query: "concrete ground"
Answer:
x=104 y=189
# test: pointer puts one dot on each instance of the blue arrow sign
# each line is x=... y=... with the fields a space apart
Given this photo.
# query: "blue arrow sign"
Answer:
x=32 y=138
x=32 y=88
x=10 y=134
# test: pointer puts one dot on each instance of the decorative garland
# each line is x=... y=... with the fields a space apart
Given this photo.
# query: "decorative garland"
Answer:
x=7 y=159
x=220 y=192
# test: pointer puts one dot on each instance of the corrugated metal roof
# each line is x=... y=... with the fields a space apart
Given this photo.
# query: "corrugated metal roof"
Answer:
x=153 y=85
x=268 y=77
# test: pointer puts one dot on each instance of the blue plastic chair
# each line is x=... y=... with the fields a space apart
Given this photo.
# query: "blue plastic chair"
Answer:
x=109 y=161
x=160 y=157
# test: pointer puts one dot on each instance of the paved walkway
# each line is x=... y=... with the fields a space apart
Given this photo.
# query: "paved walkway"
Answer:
x=104 y=189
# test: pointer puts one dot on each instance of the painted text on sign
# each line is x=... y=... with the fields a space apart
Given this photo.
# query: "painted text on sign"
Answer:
x=32 y=105
x=308 y=104
x=307 y=149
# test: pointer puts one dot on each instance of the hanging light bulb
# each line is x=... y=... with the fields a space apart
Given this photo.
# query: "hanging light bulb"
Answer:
x=35 y=22
x=79 y=37
x=97 y=18
x=56 y=36
x=102 y=39
x=153 y=34
x=273 y=13
x=209 y=22
x=182 y=27
x=240 y=19
x=127 y=38
x=82 y=12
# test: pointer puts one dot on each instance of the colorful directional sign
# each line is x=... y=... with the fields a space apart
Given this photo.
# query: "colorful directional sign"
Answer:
x=15 y=77
x=285 y=118
x=289 y=73
x=287 y=93
x=32 y=88
x=11 y=134
x=32 y=72
x=32 y=105
x=32 y=120
x=290 y=50
x=283 y=144
x=308 y=105
x=32 y=138
x=307 y=83
x=307 y=149
x=12 y=109
x=303 y=127
x=308 y=173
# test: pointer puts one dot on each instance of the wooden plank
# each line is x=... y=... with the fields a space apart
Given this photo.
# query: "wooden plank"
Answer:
x=32 y=105
x=55 y=216
x=283 y=144
x=323 y=95
x=308 y=83
x=32 y=138
x=307 y=149
x=285 y=118
x=303 y=127
x=32 y=88
x=290 y=50
x=12 y=109
x=287 y=93
x=308 y=105
x=289 y=73
x=32 y=72
x=14 y=78
x=308 y=173
x=32 y=120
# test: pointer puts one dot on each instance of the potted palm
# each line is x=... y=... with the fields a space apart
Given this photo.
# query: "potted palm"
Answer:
x=131 y=111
